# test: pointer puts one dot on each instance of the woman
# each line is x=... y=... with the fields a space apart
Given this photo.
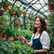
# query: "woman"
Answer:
x=40 y=40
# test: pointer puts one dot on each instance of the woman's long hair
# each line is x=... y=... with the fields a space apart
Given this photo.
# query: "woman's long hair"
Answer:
x=43 y=26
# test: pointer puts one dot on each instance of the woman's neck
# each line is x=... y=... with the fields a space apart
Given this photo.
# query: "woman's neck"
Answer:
x=38 y=31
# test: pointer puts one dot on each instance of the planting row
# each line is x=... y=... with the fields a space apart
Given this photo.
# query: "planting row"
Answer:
x=7 y=47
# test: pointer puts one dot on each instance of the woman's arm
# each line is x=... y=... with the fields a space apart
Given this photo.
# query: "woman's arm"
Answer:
x=28 y=43
x=45 y=41
x=41 y=51
x=23 y=38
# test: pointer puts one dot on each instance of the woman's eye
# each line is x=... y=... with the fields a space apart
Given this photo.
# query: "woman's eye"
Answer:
x=38 y=21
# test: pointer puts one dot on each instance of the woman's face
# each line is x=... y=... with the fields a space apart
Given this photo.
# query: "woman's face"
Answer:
x=37 y=23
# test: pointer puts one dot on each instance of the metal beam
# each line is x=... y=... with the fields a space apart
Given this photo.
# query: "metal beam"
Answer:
x=34 y=2
x=32 y=8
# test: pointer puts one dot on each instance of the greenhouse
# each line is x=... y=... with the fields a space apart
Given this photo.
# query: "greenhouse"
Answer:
x=26 y=26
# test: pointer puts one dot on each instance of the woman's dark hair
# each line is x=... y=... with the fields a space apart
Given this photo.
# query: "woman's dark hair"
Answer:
x=43 y=27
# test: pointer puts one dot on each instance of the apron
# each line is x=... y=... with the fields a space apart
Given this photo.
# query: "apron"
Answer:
x=36 y=45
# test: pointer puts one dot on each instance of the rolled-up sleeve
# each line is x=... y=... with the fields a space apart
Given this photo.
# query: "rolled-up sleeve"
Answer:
x=45 y=40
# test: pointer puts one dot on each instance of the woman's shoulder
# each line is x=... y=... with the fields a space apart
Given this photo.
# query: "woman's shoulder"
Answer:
x=45 y=32
x=45 y=35
x=32 y=34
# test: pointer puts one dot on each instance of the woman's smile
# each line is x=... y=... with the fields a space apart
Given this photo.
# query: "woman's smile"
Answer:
x=37 y=23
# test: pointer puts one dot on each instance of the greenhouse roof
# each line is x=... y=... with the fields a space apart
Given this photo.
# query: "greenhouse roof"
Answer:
x=34 y=6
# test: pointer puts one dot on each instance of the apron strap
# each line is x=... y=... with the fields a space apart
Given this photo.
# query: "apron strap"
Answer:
x=40 y=36
x=34 y=36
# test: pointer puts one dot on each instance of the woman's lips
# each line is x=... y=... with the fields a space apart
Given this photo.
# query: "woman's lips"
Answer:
x=36 y=24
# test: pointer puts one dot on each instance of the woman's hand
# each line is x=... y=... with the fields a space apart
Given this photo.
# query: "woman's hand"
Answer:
x=22 y=38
